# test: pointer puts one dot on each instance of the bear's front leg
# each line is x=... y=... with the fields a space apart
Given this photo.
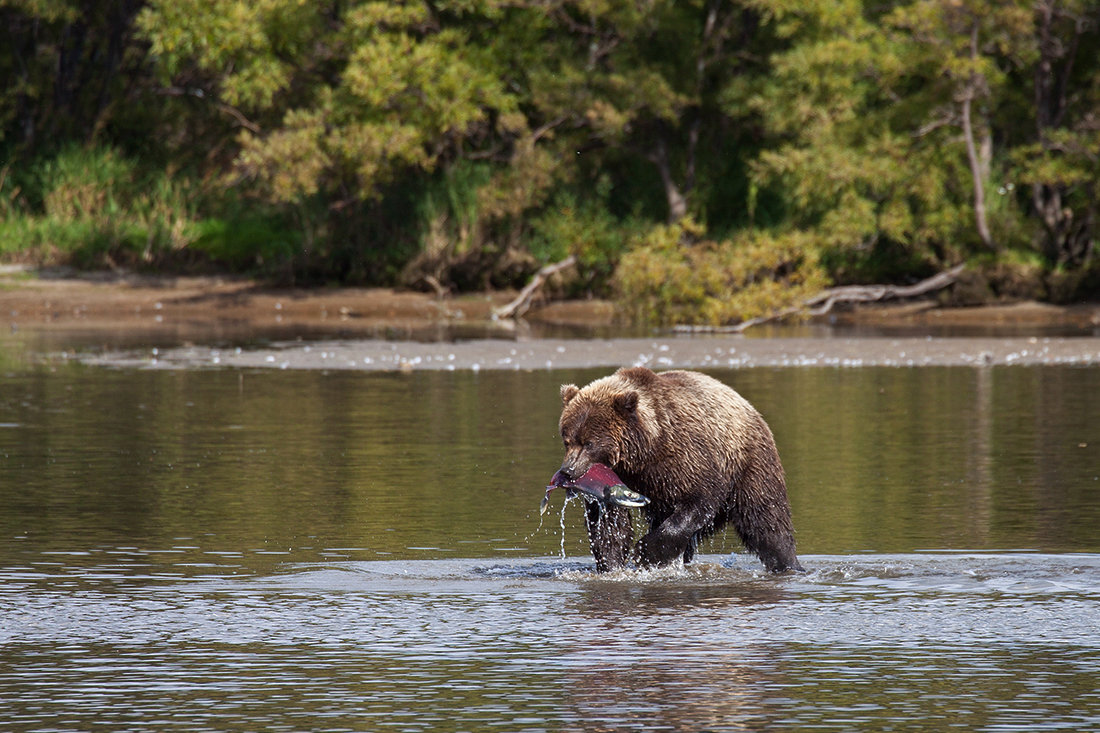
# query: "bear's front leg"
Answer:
x=610 y=534
x=673 y=536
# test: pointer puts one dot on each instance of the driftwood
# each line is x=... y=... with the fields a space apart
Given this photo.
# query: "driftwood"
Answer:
x=436 y=286
x=522 y=302
x=824 y=301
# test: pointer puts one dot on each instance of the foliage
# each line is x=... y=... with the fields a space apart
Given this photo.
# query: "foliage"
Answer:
x=902 y=131
x=466 y=142
x=69 y=69
x=674 y=276
x=94 y=207
x=587 y=229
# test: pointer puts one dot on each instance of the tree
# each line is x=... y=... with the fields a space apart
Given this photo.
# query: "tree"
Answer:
x=880 y=120
x=1062 y=165
x=67 y=71
x=342 y=104
x=416 y=139
x=842 y=150
x=966 y=49
x=655 y=81
x=341 y=95
x=347 y=108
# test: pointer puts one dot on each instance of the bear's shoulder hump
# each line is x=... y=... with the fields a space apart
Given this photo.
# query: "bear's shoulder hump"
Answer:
x=639 y=376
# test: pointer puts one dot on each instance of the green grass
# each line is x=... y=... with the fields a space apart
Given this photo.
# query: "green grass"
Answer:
x=93 y=207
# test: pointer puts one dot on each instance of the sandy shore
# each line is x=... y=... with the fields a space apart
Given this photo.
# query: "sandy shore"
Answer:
x=143 y=322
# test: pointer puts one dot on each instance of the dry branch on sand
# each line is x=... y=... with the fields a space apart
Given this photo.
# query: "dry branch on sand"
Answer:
x=522 y=302
x=824 y=301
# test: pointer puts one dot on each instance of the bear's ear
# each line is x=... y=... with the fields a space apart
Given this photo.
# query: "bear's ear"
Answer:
x=568 y=392
x=626 y=403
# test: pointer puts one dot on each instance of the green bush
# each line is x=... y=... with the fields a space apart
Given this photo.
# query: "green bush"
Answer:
x=586 y=229
x=672 y=275
x=93 y=207
x=247 y=242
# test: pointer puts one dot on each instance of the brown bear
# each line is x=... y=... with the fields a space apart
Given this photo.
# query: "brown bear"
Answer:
x=700 y=453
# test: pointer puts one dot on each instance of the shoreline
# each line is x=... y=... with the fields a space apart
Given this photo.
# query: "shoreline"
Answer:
x=138 y=321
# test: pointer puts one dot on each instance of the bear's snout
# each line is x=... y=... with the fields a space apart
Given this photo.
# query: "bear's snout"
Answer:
x=575 y=464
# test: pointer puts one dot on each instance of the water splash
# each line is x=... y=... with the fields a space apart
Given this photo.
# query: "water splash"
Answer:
x=564 y=504
x=527 y=539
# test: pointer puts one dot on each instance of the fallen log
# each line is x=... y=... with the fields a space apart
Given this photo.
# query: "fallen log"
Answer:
x=522 y=302
x=824 y=301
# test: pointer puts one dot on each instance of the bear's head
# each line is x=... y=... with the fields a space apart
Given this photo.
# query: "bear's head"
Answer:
x=597 y=424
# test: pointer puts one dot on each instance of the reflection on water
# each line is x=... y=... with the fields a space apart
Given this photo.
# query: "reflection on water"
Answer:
x=225 y=550
x=237 y=471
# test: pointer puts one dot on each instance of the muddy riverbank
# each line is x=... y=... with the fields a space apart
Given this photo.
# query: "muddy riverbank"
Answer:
x=139 y=321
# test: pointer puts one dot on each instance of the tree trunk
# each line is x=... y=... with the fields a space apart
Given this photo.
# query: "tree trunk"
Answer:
x=677 y=202
x=1065 y=239
x=972 y=155
x=976 y=174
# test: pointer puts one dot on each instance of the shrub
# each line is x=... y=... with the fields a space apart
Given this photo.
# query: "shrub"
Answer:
x=672 y=275
x=586 y=229
x=94 y=207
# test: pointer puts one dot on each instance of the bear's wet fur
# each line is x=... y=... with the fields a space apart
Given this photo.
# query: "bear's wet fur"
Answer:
x=697 y=449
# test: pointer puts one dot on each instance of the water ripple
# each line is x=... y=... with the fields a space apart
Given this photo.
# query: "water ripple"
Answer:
x=991 y=641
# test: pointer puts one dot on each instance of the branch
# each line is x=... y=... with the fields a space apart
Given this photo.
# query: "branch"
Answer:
x=222 y=106
x=543 y=129
x=522 y=302
x=824 y=301
x=946 y=117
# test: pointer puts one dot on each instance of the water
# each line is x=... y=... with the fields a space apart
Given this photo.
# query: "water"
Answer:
x=248 y=550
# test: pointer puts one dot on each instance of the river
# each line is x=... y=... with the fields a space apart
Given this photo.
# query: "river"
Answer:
x=250 y=548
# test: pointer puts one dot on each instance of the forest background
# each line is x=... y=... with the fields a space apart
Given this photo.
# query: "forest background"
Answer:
x=704 y=161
